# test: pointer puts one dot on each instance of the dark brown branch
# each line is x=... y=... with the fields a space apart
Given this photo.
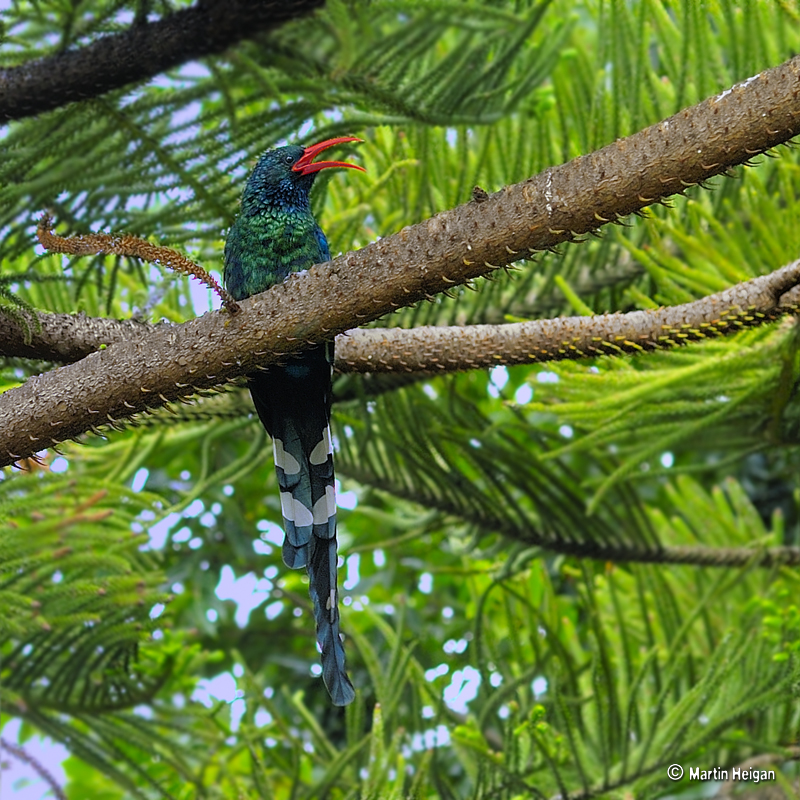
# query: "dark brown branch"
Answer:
x=688 y=555
x=727 y=789
x=141 y=52
x=450 y=248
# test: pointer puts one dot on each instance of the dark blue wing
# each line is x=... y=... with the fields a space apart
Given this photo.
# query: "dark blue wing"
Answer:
x=325 y=251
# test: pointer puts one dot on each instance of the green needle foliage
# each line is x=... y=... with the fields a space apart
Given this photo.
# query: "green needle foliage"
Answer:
x=556 y=579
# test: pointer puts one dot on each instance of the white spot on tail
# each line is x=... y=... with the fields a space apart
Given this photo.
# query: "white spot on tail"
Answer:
x=319 y=455
x=286 y=461
x=325 y=507
x=295 y=511
x=332 y=604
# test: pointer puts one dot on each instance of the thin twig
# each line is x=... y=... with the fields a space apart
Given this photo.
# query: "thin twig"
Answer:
x=123 y=244
x=26 y=758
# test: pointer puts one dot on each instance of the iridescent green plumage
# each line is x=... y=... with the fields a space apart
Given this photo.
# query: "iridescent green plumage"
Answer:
x=274 y=236
x=275 y=233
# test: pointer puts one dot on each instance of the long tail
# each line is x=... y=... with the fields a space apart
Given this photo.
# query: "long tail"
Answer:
x=293 y=402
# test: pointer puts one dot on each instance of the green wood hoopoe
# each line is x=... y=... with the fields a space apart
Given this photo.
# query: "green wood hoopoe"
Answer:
x=275 y=235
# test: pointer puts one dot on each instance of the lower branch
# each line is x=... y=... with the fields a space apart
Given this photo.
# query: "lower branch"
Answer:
x=68 y=338
x=449 y=349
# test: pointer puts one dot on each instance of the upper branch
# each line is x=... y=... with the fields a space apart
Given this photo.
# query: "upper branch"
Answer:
x=144 y=50
x=449 y=248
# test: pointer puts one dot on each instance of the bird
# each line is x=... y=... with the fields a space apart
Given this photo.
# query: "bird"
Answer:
x=274 y=236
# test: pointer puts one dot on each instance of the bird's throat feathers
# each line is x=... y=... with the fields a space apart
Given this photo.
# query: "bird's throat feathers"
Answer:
x=262 y=195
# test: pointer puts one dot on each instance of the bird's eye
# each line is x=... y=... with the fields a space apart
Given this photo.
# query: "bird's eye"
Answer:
x=289 y=159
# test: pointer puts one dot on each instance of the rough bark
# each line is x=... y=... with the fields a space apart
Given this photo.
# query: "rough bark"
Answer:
x=451 y=349
x=419 y=261
x=68 y=338
x=142 y=51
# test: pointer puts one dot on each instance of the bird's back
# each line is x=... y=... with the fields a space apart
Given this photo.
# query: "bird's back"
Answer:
x=264 y=247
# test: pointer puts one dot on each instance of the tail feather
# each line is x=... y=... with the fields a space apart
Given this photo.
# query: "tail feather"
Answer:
x=293 y=403
x=322 y=588
x=294 y=557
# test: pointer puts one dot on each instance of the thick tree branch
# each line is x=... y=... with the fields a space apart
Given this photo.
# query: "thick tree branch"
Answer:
x=69 y=338
x=144 y=50
x=450 y=248
x=449 y=349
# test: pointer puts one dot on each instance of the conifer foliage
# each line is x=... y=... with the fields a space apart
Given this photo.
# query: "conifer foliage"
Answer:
x=559 y=578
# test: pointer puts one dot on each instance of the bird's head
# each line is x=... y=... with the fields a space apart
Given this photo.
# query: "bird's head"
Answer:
x=286 y=174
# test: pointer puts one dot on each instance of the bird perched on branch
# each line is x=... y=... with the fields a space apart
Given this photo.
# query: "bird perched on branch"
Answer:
x=274 y=236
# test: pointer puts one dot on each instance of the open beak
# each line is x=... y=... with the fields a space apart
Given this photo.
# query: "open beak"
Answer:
x=306 y=164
